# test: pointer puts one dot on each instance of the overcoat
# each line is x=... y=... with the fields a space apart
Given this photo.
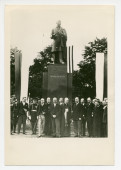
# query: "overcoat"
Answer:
x=66 y=106
x=33 y=112
x=21 y=109
x=59 y=37
x=55 y=111
x=97 y=121
x=76 y=112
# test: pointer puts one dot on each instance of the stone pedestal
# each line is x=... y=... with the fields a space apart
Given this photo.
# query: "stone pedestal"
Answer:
x=57 y=82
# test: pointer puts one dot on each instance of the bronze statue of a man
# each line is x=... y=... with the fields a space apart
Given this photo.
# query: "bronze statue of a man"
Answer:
x=59 y=37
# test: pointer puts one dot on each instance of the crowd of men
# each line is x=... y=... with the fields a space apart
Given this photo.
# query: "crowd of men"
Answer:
x=54 y=117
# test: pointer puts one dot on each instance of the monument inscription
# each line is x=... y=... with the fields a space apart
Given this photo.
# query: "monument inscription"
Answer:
x=57 y=81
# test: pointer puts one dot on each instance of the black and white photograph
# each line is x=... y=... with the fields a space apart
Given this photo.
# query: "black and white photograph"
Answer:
x=55 y=86
x=59 y=72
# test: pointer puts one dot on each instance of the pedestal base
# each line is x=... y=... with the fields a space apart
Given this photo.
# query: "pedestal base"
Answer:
x=57 y=82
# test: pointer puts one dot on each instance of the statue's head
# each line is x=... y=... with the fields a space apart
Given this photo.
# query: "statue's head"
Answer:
x=58 y=23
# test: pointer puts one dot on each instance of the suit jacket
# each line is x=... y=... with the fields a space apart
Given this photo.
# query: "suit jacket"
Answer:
x=61 y=108
x=21 y=109
x=59 y=36
x=76 y=112
x=68 y=113
x=97 y=120
x=90 y=109
x=55 y=110
x=16 y=110
x=33 y=111
x=83 y=110
x=48 y=115
x=105 y=110
x=41 y=109
x=98 y=114
x=11 y=111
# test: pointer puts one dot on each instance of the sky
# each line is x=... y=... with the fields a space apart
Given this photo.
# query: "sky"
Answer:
x=30 y=28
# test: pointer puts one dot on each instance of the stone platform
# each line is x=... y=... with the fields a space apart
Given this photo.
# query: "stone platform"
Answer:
x=57 y=82
x=29 y=132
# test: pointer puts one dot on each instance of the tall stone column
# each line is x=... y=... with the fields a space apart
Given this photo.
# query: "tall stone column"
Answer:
x=99 y=75
x=105 y=76
x=18 y=60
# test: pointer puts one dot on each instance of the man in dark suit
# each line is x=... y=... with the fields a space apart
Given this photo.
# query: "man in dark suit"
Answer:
x=48 y=123
x=22 y=114
x=33 y=115
x=105 y=118
x=55 y=117
x=65 y=118
x=41 y=112
x=61 y=103
x=83 y=115
x=97 y=118
x=15 y=114
x=11 y=114
x=90 y=108
x=77 y=118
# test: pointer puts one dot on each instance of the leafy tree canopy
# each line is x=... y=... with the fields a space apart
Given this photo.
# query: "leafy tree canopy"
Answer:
x=36 y=71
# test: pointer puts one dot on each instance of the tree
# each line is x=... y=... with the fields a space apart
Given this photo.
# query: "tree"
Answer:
x=36 y=72
x=84 y=84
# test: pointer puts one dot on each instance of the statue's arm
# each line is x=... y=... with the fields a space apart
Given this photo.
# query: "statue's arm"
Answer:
x=52 y=34
x=65 y=34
